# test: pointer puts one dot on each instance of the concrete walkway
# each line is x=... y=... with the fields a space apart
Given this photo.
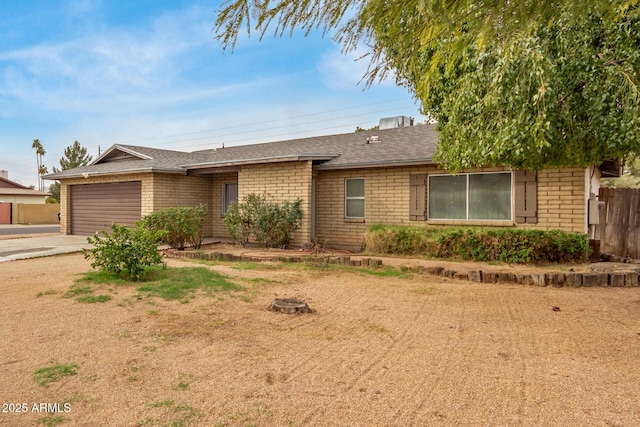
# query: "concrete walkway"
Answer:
x=37 y=246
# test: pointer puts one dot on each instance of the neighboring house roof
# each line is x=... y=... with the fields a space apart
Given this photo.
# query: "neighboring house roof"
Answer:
x=389 y=147
x=22 y=192
x=7 y=183
x=11 y=188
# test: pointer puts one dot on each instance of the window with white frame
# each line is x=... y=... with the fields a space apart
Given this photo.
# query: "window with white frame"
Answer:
x=472 y=196
x=354 y=198
x=229 y=195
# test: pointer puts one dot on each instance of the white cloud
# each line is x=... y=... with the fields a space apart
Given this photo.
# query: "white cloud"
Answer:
x=99 y=67
x=82 y=7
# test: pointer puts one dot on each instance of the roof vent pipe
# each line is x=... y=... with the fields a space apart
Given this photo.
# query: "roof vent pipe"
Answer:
x=372 y=139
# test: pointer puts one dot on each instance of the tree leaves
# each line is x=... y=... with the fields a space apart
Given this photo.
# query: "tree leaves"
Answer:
x=527 y=84
x=565 y=95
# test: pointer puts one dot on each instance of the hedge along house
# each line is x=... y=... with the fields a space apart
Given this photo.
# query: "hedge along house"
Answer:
x=346 y=182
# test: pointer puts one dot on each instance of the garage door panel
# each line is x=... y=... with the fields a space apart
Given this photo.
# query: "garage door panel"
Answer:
x=123 y=195
x=115 y=212
x=95 y=206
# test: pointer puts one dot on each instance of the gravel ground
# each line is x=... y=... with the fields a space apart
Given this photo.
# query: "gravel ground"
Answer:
x=378 y=351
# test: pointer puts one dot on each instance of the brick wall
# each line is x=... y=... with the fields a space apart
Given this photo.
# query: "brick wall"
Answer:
x=386 y=201
x=30 y=213
x=281 y=181
x=560 y=197
x=561 y=200
x=170 y=190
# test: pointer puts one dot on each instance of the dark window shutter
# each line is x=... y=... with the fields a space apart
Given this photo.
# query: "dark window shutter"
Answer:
x=526 y=193
x=417 y=196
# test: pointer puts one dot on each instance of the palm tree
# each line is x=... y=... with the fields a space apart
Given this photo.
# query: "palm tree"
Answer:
x=40 y=152
x=42 y=171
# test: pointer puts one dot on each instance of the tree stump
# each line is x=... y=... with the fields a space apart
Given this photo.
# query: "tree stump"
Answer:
x=290 y=306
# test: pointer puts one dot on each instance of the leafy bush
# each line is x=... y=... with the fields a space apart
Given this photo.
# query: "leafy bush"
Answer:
x=270 y=223
x=240 y=218
x=276 y=223
x=510 y=245
x=399 y=240
x=181 y=225
x=125 y=251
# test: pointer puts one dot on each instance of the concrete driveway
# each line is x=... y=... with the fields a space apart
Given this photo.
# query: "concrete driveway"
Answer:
x=37 y=246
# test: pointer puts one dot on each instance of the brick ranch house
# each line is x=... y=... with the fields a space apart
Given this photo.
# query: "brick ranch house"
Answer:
x=346 y=182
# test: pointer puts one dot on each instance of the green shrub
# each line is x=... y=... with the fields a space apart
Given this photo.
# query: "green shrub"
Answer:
x=276 y=223
x=181 y=225
x=240 y=218
x=270 y=223
x=125 y=251
x=399 y=239
x=510 y=245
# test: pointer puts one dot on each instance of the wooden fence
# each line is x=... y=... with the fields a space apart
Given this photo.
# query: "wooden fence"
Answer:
x=5 y=213
x=619 y=228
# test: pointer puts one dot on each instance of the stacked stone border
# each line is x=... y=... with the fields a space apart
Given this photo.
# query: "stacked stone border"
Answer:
x=318 y=259
x=554 y=279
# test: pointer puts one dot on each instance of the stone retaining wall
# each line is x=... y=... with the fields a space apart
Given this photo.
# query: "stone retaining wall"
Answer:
x=554 y=279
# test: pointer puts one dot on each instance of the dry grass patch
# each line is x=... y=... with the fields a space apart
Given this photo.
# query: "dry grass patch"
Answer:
x=411 y=349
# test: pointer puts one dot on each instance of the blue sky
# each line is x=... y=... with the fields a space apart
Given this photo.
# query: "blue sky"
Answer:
x=151 y=73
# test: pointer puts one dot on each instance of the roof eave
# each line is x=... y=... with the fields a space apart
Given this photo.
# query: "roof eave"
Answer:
x=325 y=166
x=294 y=158
x=25 y=193
x=53 y=177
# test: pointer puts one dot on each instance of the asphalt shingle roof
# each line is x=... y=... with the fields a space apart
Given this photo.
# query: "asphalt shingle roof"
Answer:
x=405 y=145
x=11 y=188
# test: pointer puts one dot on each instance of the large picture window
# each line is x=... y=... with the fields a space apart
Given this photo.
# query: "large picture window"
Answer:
x=354 y=198
x=480 y=196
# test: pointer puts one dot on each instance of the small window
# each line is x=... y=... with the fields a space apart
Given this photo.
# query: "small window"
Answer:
x=481 y=196
x=354 y=198
x=229 y=195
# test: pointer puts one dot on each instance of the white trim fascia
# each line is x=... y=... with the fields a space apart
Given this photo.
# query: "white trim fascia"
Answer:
x=127 y=172
x=292 y=158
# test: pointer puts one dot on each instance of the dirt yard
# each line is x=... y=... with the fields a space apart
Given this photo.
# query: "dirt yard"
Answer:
x=378 y=351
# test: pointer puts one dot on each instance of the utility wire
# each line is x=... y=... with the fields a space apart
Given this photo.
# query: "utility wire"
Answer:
x=25 y=166
x=245 y=125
